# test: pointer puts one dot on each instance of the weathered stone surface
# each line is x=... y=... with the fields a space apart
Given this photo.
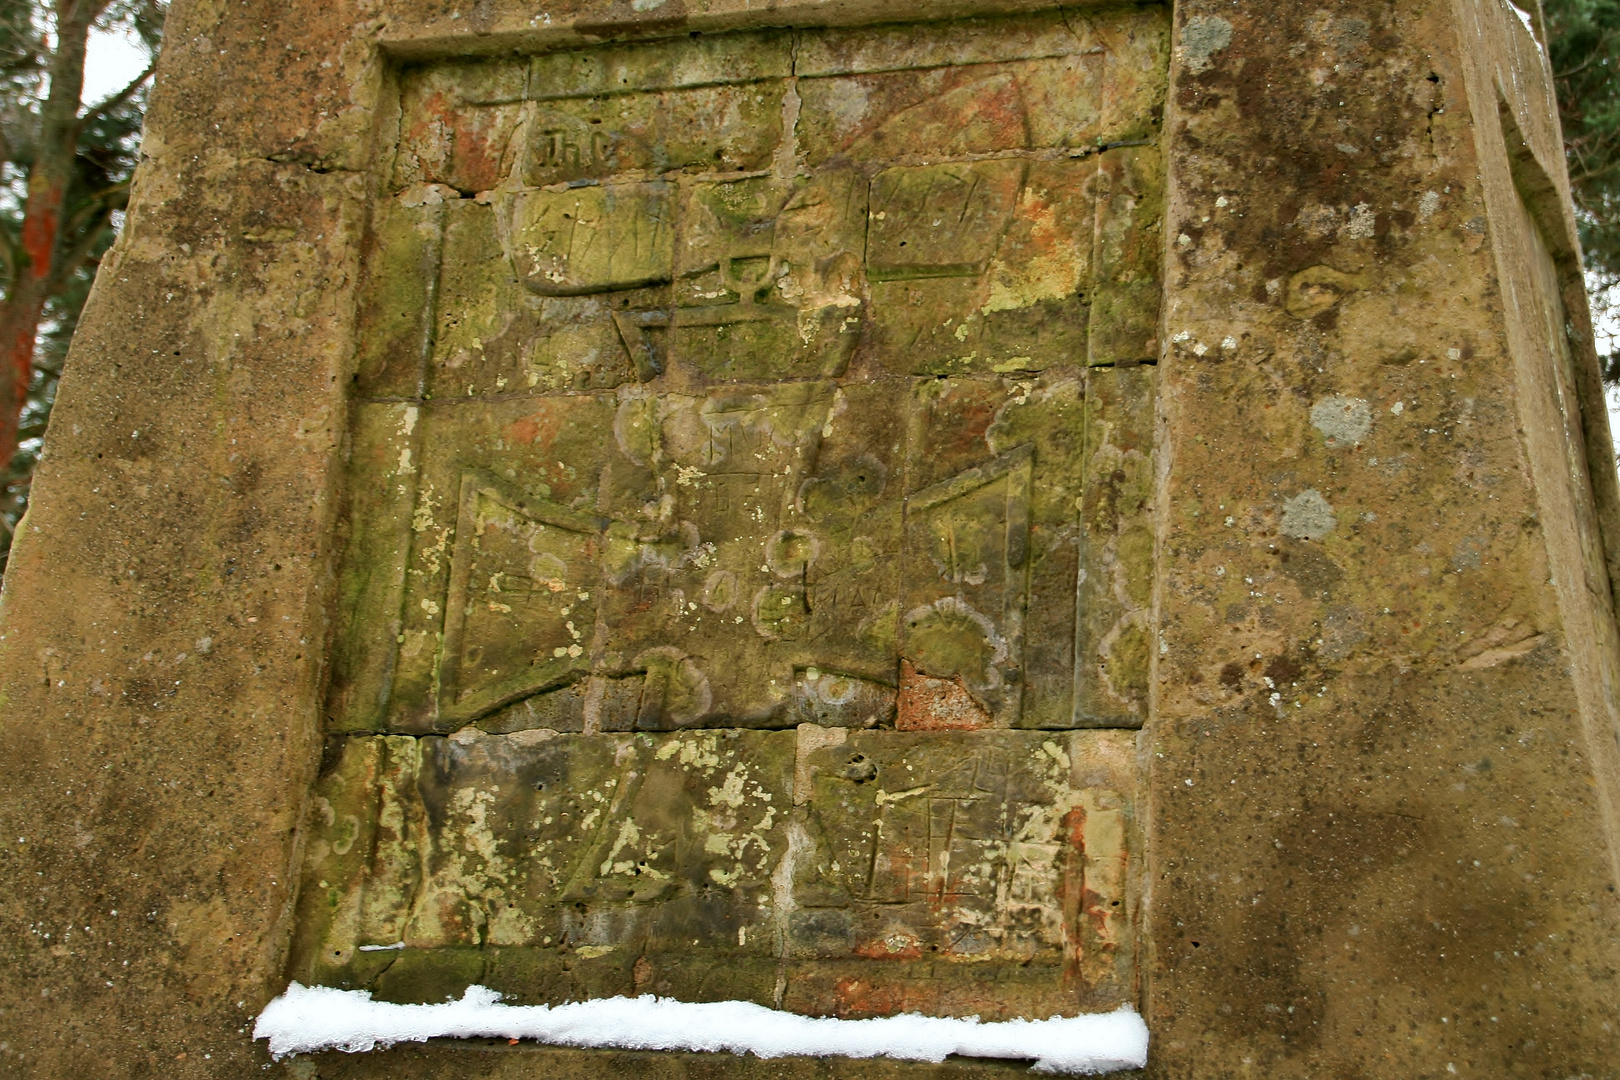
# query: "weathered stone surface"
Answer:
x=851 y=874
x=712 y=439
x=667 y=458
x=1383 y=673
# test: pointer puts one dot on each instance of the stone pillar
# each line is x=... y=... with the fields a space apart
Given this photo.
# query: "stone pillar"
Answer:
x=1384 y=739
x=970 y=507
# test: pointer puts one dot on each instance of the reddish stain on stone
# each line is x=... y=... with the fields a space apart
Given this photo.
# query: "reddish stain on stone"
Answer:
x=1074 y=892
x=856 y=998
x=478 y=162
x=895 y=946
x=539 y=428
x=522 y=430
x=1003 y=111
x=435 y=113
x=927 y=703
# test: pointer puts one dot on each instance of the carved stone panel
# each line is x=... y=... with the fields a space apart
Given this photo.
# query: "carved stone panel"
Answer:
x=729 y=387
x=850 y=874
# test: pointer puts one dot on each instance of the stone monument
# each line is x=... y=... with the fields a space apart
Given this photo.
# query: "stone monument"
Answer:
x=969 y=507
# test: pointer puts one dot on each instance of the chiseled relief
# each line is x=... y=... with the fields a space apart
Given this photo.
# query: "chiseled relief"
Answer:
x=749 y=543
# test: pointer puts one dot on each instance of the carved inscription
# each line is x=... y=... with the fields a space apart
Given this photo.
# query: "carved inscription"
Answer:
x=752 y=433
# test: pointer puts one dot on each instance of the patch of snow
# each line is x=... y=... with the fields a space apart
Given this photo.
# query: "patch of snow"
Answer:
x=310 y=1018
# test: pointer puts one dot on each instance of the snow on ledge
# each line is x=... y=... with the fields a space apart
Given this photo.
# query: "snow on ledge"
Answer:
x=310 y=1018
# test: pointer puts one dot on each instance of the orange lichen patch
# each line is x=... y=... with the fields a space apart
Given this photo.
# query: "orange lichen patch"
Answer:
x=927 y=703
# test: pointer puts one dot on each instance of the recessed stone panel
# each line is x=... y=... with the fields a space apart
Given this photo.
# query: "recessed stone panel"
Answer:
x=746 y=448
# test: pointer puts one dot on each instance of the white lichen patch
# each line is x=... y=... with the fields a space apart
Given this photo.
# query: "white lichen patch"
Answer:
x=1201 y=38
x=628 y=834
x=1343 y=421
x=1362 y=224
x=1308 y=516
x=730 y=792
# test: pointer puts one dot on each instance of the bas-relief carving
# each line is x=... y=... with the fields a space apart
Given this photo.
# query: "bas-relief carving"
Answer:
x=755 y=382
x=857 y=873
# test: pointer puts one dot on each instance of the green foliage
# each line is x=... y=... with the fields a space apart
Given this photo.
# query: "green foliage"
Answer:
x=105 y=158
x=1584 y=47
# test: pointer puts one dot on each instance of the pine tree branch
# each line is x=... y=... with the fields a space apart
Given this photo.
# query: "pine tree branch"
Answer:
x=119 y=98
x=29 y=61
x=1587 y=176
x=1598 y=54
